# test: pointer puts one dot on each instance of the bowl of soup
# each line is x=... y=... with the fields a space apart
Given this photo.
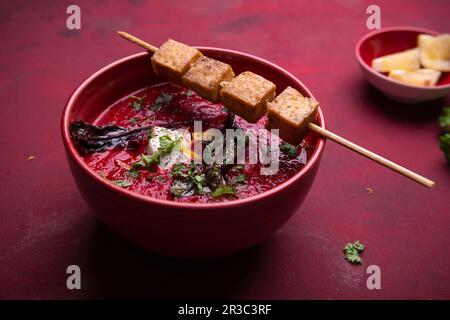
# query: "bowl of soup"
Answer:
x=130 y=140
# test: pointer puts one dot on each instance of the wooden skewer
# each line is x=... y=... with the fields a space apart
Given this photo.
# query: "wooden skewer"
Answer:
x=369 y=154
x=324 y=133
x=137 y=41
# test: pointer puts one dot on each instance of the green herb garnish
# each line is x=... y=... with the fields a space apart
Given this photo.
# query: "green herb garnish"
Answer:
x=289 y=149
x=199 y=182
x=187 y=182
x=240 y=179
x=162 y=99
x=444 y=121
x=178 y=169
x=222 y=191
x=134 y=173
x=123 y=183
x=138 y=102
x=237 y=168
x=445 y=145
x=352 y=251
x=189 y=93
x=166 y=145
x=132 y=120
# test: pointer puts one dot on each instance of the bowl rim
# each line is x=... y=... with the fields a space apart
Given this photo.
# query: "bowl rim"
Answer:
x=364 y=65
x=70 y=148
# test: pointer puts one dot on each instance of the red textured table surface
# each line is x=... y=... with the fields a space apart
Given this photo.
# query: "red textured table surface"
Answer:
x=45 y=225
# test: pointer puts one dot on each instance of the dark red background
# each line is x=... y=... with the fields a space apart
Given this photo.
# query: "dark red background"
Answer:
x=45 y=225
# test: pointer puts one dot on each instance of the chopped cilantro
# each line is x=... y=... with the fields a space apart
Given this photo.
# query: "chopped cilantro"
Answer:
x=288 y=149
x=162 y=99
x=132 y=120
x=138 y=102
x=197 y=178
x=224 y=109
x=214 y=177
x=186 y=183
x=199 y=182
x=191 y=181
x=444 y=121
x=123 y=183
x=222 y=191
x=189 y=93
x=445 y=145
x=181 y=188
x=177 y=169
x=166 y=145
x=237 y=168
x=240 y=179
x=134 y=173
x=352 y=251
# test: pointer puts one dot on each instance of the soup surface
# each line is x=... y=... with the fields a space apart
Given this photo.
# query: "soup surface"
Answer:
x=159 y=162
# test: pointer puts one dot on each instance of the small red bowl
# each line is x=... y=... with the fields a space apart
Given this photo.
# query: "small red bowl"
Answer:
x=173 y=228
x=390 y=40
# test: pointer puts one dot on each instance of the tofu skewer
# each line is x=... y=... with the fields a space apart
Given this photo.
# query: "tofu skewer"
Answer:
x=290 y=112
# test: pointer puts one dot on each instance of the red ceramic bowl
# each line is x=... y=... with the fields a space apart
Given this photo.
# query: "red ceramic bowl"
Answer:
x=390 y=40
x=172 y=228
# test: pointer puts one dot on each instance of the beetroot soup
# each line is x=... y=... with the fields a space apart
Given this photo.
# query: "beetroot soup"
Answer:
x=145 y=143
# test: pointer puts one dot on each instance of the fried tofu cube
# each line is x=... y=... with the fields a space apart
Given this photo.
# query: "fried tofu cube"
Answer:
x=290 y=112
x=247 y=94
x=173 y=59
x=205 y=76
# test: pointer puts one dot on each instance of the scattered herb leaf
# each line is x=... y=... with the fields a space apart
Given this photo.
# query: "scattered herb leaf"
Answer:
x=123 y=183
x=181 y=188
x=138 y=102
x=214 y=177
x=222 y=191
x=162 y=99
x=237 y=168
x=288 y=149
x=445 y=145
x=191 y=181
x=132 y=120
x=352 y=251
x=240 y=179
x=189 y=93
x=166 y=145
x=178 y=169
x=134 y=173
x=444 y=120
